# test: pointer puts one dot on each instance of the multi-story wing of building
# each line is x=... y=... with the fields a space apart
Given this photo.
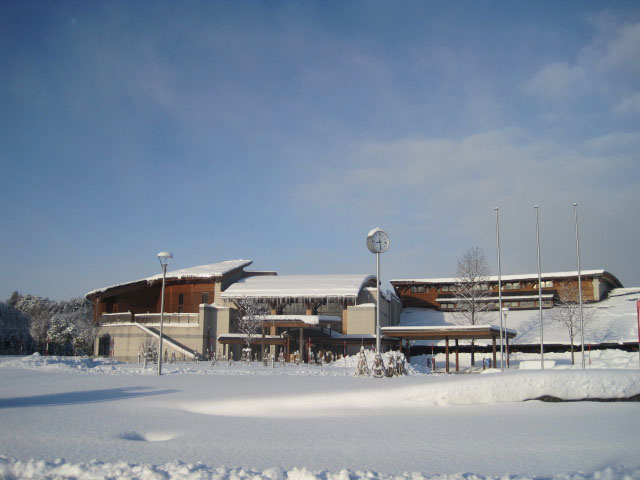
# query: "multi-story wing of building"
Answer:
x=330 y=312
x=519 y=292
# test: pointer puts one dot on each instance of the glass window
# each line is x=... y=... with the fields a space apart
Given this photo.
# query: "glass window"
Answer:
x=205 y=297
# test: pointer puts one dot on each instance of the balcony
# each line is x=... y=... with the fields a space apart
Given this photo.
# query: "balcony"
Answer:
x=149 y=318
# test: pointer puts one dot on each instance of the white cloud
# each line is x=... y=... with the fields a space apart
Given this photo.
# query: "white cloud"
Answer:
x=616 y=142
x=619 y=53
x=607 y=68
x=442 y=191
x=629 y=104
x=559 y=82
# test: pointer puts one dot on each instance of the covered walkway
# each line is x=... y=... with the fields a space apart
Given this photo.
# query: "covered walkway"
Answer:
x=450 y=332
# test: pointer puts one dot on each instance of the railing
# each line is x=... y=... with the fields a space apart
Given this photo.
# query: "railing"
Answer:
x=182 y=318
x=123 y=317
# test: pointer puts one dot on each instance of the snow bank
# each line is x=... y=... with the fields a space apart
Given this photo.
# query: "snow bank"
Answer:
x=515 y=386
x=37 y=469
x=58 y=363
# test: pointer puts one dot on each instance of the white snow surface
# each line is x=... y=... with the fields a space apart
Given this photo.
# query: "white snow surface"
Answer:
x=84 y=418
x=299 y=286
x=615 y=321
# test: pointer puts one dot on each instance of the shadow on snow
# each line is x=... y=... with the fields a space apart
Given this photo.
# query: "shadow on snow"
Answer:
x=80 y=397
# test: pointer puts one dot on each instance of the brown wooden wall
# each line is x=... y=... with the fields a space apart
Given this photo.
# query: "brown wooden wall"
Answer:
x=147 y=299
x=428 y=298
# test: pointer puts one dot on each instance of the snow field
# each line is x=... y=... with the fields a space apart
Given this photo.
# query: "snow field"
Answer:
x=59 y=469
x=83 y=418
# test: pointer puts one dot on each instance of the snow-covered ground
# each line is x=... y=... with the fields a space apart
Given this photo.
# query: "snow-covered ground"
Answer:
x=80 y=418
x=614 y=320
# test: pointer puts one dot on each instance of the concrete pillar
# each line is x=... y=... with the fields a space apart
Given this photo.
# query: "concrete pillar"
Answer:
x=287 y=352
x=272 y=332
x=457 y=356
x=494 y=351
x=301 y=346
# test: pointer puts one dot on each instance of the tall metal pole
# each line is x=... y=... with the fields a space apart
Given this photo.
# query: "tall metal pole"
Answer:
x=164 y=275
x=539 y=290
x=377 y=303
x=499 y=287
x=575 y=211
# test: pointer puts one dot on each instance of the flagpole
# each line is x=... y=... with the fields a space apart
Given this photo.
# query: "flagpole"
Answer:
x=539 y=290
x=575 y=211
x=499 y=287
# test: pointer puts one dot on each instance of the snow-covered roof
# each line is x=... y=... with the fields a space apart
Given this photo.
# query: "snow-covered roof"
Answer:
x=214 y=270
x=308 y=319
x=299 y=286
x=445 y=328
x=510 y=278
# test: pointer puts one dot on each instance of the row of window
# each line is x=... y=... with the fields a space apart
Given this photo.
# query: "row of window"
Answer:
x=482 y=286
x=496 y=305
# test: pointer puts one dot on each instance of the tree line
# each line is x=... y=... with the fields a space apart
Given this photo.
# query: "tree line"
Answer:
x=31 y=324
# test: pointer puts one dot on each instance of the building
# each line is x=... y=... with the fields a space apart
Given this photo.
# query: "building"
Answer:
x=519 y=292
x=330 y=312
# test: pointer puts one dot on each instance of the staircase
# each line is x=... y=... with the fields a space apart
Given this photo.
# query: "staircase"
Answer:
x=188 y=352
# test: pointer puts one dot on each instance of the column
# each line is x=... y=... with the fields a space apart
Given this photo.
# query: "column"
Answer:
x=447 y=355
x=494 y=351
x=457 y=356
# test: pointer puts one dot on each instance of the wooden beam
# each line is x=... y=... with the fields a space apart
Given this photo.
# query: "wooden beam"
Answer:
x=447 y=356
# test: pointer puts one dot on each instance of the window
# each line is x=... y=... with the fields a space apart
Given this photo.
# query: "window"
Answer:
x=180 y=302
x=205 y=297
x=446 y=288
x=417 y=289
x=511 y=286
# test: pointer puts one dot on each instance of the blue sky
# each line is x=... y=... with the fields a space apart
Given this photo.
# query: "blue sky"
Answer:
x=283 y=132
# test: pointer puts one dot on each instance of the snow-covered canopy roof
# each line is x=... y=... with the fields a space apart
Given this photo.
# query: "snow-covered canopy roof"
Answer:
x=308 y=319
x=518 y=277
x=204 y=272
x=285 y=287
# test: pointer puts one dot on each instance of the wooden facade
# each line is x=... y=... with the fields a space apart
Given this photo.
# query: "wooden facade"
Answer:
x=185 y=291
x=519 y=292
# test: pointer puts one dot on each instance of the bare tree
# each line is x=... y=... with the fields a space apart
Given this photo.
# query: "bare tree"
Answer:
x=472 y=290
x=249 y=318
x=567 y=313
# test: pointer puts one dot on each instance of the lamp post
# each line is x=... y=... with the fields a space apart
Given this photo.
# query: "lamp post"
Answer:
x=539 y=290
x=575 y=211
x=499 y=286
x=505 y=312
x=164 y=261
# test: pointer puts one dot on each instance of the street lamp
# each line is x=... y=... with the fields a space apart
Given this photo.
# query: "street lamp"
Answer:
x=164 y=261
x=505 y=311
